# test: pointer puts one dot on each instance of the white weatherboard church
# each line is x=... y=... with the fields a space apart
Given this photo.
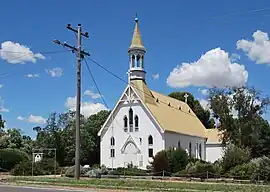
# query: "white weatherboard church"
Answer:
x=144 y=122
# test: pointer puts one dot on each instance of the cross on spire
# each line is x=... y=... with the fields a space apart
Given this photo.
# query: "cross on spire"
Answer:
x=186 y=96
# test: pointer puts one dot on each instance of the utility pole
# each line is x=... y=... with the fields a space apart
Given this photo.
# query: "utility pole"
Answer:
x=80 y=55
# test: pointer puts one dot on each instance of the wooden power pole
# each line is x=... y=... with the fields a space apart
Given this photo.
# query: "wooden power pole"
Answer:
x=80 y=55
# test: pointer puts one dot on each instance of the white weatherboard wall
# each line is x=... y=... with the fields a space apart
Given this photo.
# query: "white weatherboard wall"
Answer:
x=172 y=139
x=116 y=129
x=214 y=151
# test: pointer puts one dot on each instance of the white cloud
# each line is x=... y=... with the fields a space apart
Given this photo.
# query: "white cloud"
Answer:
x=16 y=53
x=55 y=72
x=204 y=103
x=155 y=76
x=1 y=86
x=2 y=108
x=87 y=108
x=204 y=91
x=92 y=94
x=257 y=50
x=213 y=69
x=32 y=75
x=234 y=57
x=33 y=119
x=20 y=118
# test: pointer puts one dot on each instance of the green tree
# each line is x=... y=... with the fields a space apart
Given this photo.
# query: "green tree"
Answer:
x=240 y=111
x=194 y=104
x=233 y=156
x=59 y=133
x=2 y=126
x=53 y=135
x=170 y=160
x=91 y=142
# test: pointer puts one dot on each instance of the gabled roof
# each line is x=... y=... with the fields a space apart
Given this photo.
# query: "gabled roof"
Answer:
x=171 y=114
x=213 y=136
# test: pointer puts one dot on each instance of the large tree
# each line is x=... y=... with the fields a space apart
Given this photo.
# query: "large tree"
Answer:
x=194 y=104
x=59 y=133
x=240 y=111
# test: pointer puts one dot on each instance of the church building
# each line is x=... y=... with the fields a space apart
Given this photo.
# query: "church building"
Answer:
x=144 y=122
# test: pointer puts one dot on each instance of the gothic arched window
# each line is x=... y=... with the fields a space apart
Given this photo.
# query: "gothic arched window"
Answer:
x=179 y=144
x=112 y=141
x=190 y=149
x=138 y=61
x=142 y=61
x=133 y=61
x=125 y=121
x=150 y=140
x=136 y=121
x=200 y=151
x=130 y=114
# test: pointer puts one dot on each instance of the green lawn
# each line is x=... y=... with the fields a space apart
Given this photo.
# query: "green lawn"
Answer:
x=139 y=185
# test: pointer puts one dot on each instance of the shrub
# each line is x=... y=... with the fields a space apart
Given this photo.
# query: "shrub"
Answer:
x=160 y=163
x=70 y=172
x=43 y=167
x=178 y=159
x=244 y=171
x=129 y=171
x=234 y=156
x=170 y=161
x=202 y=169
x=262 y=170
x=24 y=168
x=49 y=166
x=10 y=157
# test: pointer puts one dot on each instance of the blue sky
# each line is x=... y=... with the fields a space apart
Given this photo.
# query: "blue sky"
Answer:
x=173 y=33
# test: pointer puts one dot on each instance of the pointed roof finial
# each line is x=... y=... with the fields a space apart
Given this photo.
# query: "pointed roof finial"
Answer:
x=136 y=42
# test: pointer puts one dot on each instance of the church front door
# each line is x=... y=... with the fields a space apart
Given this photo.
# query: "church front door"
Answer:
x=131 y=153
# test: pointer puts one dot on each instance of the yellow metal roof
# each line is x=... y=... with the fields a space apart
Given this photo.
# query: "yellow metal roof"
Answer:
x=178 y=117
x=213 y=135
x=136 y=39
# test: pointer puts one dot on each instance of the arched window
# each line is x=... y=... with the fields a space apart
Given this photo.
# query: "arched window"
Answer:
x=150 y=140
x=112 y=141
x=136 y=123
x=125 y=121
x=133 y=61
x=200 y=151
x=138 y=61
x=130 y=117
x=179 y=144
x=190 y=149
x=142 y=62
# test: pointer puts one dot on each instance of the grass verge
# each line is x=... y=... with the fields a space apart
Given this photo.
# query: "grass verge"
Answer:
x=137 y=185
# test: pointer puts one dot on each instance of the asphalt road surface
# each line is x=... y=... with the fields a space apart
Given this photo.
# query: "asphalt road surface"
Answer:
x=7 y=188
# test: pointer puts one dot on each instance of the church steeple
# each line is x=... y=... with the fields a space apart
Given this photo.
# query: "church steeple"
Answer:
x=136 y=54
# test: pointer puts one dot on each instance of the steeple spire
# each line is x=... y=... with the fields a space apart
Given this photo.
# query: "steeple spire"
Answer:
x=136 y=53
x=136 y=42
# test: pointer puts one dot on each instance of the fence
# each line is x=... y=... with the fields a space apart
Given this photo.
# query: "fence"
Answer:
x=200 y=177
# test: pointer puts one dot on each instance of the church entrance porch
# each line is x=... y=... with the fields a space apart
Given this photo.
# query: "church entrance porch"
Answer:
x=130 y=152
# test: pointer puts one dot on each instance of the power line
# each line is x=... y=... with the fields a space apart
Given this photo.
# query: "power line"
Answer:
x=105 y=103
x=96 y=85
x=241 y=13
x=4 y=74
x=160 y=101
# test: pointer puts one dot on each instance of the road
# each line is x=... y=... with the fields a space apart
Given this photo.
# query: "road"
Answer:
x=8 y=188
